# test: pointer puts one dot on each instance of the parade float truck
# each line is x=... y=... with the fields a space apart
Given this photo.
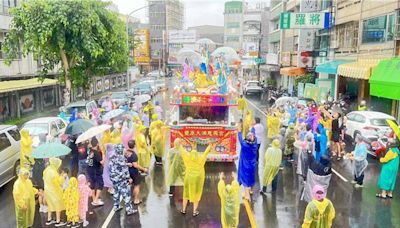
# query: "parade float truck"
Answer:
x=203 y=118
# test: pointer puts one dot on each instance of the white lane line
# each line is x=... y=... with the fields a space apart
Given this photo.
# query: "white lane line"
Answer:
x=108 y=219
x=340 y=176
x=262 y=112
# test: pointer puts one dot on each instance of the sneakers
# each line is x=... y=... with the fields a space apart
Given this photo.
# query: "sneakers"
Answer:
x=117 y=208
x=358 y=186
x=170 y=194
x=85 y=223
x=159 y=163
x=131 y=212
x=98 y=203
x=58 y=224
x=69 y=224
x=354 y=182
x=49 y=222
x=76 y=225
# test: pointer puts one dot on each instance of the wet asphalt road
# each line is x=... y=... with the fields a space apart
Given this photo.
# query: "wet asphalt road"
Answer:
x=354 y=207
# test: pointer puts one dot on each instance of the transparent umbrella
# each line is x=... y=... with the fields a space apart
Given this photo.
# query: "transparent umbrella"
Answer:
x=49 y=150
x=193 y=57
x=228 y=53
x=205 y=43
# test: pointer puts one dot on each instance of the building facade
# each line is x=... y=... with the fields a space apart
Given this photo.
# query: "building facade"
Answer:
x=233 y=24
x=212 y=32
x=164 y=15
x=178 y=39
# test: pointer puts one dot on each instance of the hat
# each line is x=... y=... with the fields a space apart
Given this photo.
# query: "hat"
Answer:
x=276 y=143
x=318 y=192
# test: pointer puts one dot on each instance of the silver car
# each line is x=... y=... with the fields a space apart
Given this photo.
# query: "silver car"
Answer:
x=9 y=153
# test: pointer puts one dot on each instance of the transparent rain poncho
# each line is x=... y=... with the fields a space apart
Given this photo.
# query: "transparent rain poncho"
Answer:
x=158 y=133
x=247 y=123
x=71 y=201
x=26 y=159
x=273 y=159
x=176 y=171
x=319 y=214
x=53 y=182
x=230 y=203
x=143 y=151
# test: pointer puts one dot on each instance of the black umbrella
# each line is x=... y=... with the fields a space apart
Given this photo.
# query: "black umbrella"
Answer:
x=78 y=127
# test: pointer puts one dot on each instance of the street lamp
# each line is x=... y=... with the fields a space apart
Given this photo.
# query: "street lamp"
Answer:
x=127 y=41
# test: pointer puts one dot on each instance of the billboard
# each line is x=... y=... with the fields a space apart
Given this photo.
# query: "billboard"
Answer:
x=142 y=51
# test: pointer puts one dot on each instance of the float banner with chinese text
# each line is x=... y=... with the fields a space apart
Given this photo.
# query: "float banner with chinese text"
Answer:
x=305 y=20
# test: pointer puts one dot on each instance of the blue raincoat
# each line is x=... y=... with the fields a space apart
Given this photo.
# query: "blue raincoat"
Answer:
x=321 y=140
x=247 y=163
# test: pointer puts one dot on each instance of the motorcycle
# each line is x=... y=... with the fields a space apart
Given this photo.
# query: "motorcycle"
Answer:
x=379 y=146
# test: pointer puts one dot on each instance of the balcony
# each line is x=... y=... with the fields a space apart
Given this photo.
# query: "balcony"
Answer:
x=251 y=32
x=275 y=36
x=276 y=12
x=251 y=17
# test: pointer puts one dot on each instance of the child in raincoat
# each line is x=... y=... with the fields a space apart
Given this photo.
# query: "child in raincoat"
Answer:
x=24 y=199
x=84 y=193
x=176 y=171
x=248 y=122
x=157 y=133
x=194 y=177
x=242 y=105
x=143 y=151
x=26 y=159
x=230 y=201
x=273 y=124
x=273 y=159
x=53 y=182
x=105 y=139
x=71 y=202
x=320 y=211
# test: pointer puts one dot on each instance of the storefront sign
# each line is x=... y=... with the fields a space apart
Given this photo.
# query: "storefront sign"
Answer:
x=305 y=20
x=193 y=99
x=142 y=51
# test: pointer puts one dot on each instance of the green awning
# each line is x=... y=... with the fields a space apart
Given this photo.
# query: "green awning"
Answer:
x=385 y=80
x=330 y=67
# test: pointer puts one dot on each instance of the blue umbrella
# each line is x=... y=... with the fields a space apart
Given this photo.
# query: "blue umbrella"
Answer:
x=78 y=126
x=48 y=150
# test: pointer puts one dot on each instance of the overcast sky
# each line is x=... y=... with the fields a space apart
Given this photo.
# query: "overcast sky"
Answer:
x=198 y=12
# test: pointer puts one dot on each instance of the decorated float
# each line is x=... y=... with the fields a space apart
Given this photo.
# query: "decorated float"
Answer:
x=204 y=106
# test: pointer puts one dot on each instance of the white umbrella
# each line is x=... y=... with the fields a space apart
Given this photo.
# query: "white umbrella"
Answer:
x=205 y=43
x=285 y=101
x=91 y=132
x=142 y=98
x=112 y=114
x=193 y=57
x=228 y=53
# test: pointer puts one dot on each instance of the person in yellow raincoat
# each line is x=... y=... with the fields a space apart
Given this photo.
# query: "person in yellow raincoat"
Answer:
x=230 y=201
x=248 y=122
x=273 y=124
x=53 y=191
x=273 y=159
x=176 y=171
x=320 y=211
x=71 y=202
x=116 y=134
x=157 y=133
x=143 y=151
x=242 y=105
x=24 y=199
x=26 y=159
x=194 y=177
x=105 y=139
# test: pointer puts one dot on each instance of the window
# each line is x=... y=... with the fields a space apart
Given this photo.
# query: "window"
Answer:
x=378 y=29
x=233 y=25
x=232 y=39
x=359 y=118
x=4 y=142
x=15 y=134
x=346 y=35
x=53 y=129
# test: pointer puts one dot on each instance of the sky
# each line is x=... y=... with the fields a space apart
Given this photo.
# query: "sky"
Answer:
x=198 y=12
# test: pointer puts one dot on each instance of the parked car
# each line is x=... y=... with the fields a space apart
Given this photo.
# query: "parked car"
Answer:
x=153 y=85
x=368 y=124
x=9 y=153
x=252 y=87
x=156 y=73
x=45 y=129
x=142 y=88
x=120 y=98
x=85 y=107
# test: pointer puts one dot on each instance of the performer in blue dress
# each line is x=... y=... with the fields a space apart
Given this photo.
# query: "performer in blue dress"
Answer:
x=223 y=73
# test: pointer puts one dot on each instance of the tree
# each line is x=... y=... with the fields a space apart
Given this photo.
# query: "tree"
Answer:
x=83 y=36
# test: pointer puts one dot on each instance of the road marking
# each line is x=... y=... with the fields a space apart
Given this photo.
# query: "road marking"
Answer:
x=250 y=214
x=340 y=176
x=108 y=219
x=262 y=112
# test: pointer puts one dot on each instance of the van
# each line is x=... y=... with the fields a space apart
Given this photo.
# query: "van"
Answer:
x=9 y=153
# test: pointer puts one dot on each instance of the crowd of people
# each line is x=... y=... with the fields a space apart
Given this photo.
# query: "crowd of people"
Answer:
x=118 y=159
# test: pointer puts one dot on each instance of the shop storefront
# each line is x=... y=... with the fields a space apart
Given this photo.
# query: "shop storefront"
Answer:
x=385 y=85
x=288 y=75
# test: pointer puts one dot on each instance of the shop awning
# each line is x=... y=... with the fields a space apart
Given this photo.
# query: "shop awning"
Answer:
x=385 y=80
x=293 y=71
x=330 y=67
x=9 y=86
x=362 y=69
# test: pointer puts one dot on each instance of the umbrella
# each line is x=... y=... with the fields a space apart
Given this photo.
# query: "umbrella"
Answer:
x=205 y=43
x=78 y=126
x=112 y=114
x=142 y=98
x=394 y=127
x=284 y=101
x=49 y=150
x=91 y=132
x=228 y=53
x=193 y=57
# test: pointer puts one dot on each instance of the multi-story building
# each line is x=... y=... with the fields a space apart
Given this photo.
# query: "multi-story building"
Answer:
x=164 y=15
x=178 y=39
x=212 y=32
x=233 y=24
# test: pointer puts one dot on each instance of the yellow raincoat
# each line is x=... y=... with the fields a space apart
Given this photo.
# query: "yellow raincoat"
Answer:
x=273 y=159
x=53 y=182
x=319 y=214
x=116 y=136
x=176 y=171
x=105 y=139
x=157 y=133
x=273 y=124
x=194 y=174
x=143 y=152
x=24 y=199
x=71 y=201
x=248 y=121
x=230 y=203
x=26 y=158
x=242 y=104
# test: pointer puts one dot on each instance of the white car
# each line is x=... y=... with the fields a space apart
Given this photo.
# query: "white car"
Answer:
x=156 y=73
x=368 y=124
x=45 y=129
x=153 y=85
x=9 y=153
x=252 y=87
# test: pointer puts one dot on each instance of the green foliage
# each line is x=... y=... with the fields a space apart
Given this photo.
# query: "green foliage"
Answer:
x=271 y=82
x=307 y=78
x=92 y=38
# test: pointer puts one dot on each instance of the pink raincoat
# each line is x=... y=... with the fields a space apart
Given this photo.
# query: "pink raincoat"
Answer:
x=85 y=192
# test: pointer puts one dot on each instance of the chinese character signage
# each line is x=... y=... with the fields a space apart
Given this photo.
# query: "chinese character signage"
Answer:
x=305 y=20
x=142 y=51
x=208 y=100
